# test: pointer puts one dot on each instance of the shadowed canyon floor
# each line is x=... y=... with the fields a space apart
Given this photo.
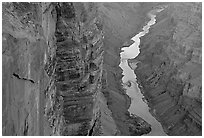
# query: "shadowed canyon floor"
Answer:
x=61 y=74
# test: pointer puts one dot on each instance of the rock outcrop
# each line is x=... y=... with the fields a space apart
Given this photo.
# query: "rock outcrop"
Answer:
x=52 y=68
x=78 y=108
x=54 y=57
x=169 y=68
x=24 y=52
x=60 y=73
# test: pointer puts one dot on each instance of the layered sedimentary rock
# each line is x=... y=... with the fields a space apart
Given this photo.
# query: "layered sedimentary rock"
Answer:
x=78 y=108
x=53 y=59
x=52 y=69
x=61 y=73
x=169 y=68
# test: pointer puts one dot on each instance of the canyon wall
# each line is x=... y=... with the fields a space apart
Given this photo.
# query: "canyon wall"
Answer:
x=52 y=67
x=79 y=60
x=169 y=68
x=60 y=73
x=54 y=58
x=24 y=55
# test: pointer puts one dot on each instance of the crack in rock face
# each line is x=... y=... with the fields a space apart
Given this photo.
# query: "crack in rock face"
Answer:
x=17 y=76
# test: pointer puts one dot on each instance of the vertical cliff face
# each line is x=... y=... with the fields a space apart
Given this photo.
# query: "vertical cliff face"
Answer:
x=78 y=108
x=170 y=68
x=52 y=69
x=61 y=74
x=24 y=56
x=54 y=58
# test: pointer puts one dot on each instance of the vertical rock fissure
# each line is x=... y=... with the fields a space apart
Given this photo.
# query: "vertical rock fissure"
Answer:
x=92 y=128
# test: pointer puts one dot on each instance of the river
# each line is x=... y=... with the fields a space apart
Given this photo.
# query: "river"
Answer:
x=138 y=106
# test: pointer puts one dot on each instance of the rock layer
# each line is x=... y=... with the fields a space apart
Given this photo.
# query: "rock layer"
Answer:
x=53 y=64
x=169 y=68
x=79 y=41
x=52 y=69
x=61 y=73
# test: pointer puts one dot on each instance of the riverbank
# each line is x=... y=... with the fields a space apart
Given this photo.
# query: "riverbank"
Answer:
x=117 y=99
x=168 y=75
x=150 y=105
x=138 y=106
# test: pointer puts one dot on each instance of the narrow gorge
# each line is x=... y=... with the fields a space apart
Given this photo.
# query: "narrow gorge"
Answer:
x=61 y=72
x=169 y=68
x=138 y=105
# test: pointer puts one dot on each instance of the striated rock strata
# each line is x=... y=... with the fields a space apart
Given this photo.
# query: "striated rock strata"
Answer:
x=57 y=61
x=169 y=68
x=61 y=76
x=52 y=67
x=78 y=107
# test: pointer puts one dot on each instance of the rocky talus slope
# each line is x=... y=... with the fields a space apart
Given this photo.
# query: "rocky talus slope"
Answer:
x=53 y=60
x=169 y=68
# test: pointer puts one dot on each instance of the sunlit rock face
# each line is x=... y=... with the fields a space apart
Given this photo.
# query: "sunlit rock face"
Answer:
x=60 y=73
x=52 y=68
x=53 y=61
x=24 y=55
x=170 y=68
